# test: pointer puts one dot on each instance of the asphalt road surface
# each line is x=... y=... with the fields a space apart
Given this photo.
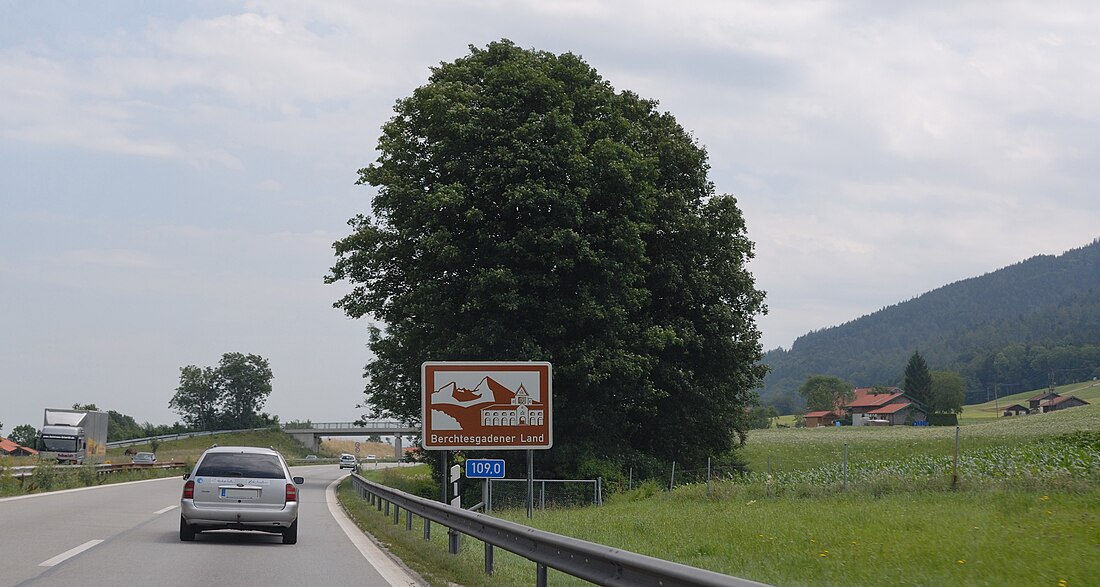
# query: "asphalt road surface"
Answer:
x=128 y=534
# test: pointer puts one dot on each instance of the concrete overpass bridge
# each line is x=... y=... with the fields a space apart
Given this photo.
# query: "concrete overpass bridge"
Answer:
x=311 y=436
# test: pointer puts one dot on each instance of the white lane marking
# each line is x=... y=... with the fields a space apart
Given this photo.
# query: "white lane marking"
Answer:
x=380 y=560
x=68 y=554
x=167 y=509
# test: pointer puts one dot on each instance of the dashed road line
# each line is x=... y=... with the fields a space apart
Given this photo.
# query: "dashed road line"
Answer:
x=68 y=554
x=167 y=509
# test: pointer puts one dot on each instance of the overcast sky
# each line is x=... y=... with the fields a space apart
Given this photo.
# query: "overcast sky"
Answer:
x=173 y=174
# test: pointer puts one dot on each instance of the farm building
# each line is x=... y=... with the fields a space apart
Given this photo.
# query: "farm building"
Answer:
x=1015 y=410
x=1035 y=403
x=1061 y=402
x=821 y=418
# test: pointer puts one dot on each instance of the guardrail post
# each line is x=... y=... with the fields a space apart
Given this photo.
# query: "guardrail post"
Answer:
x=387 y=508
x=408 y=520
x=453 y=541
x=488 y=559
x=396 y=514
x=540 y=575
x=427 y=529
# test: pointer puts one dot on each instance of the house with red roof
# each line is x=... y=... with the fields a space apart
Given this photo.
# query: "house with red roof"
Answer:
x=884 y=406
x=10 y=448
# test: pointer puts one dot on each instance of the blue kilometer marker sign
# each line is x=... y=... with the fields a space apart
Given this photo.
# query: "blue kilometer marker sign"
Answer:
x=484 y=468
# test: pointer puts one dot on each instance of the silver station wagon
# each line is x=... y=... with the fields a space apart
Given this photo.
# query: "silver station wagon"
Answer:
x=240 y=488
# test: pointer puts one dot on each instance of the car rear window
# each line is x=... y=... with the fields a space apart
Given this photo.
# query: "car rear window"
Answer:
x=241 y=465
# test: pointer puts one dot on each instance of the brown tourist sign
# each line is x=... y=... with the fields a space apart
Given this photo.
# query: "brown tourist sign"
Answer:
x=486 y=405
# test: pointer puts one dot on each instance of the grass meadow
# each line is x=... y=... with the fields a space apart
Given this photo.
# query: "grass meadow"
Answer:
x=1025 y=511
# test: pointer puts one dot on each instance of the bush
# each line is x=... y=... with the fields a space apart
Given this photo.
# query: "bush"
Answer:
x=45 y=477
x=87 y=475
x=943 y=420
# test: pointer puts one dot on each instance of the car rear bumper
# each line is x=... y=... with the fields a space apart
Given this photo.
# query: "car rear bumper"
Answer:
x=245 y=519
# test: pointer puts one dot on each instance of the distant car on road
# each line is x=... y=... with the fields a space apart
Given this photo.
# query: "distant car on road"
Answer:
x=144 y=458
x=311 y=457
x=372 y=458
x=348 y=461
x=240 y=488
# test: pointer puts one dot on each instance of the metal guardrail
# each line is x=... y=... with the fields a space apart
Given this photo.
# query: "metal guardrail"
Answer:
x=22 y=473
x=593 y=562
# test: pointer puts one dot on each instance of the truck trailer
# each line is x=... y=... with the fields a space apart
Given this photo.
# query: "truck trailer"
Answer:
x=75 y=436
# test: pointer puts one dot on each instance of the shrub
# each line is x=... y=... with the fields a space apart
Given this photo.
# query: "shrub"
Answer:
x=45 y=477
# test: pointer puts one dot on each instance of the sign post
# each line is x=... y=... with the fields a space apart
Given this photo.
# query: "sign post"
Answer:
x=487 y=406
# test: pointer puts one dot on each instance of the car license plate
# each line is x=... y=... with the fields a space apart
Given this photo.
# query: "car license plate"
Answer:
x=239 y=493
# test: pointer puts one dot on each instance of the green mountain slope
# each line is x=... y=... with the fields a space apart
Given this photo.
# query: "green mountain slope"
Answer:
x=1015 y=328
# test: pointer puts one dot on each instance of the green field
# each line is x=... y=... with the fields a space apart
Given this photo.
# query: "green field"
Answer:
x=1025 y=511
x=1088 y=391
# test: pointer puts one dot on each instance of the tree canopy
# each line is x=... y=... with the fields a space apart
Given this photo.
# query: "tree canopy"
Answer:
x=525 y=210
x=948 y=392
x=825 y=392
x=24 y=434
x=229 y=396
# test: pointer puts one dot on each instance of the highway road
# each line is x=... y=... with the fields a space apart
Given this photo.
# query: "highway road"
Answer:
x=128 y=534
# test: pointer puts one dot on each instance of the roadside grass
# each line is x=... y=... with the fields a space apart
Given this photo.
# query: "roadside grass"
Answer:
x=49 y=479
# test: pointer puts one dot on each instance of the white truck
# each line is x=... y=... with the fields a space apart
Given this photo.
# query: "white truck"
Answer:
x=74 y=436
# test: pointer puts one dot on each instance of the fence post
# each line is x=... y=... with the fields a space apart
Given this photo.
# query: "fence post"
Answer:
x=708 y=476
x=955 y=461
x=845 y=466
x=672 y=477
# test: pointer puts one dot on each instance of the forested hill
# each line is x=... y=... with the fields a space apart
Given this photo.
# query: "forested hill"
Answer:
x=1013 y=327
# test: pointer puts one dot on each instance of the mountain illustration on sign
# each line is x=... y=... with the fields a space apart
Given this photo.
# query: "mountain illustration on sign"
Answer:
x=503 y=407
x=461 y=394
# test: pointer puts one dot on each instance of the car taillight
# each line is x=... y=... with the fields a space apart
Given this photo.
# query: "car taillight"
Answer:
x=189 y=490
x=291 y=493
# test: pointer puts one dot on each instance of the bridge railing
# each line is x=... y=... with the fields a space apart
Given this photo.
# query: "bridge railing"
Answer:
x=592 y=562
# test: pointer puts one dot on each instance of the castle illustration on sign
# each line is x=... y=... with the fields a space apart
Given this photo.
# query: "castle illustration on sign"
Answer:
x=519 y=412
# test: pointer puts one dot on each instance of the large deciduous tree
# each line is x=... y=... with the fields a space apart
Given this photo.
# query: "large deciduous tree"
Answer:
x=525 y=210
x=245 y=386
x=229 y=396
x=196 y=398
x=948 y=392
x=24 y=434
x=825 y=392
x=918 y=379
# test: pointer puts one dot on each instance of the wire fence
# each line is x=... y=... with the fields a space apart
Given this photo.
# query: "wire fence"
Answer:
x=502 y=494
